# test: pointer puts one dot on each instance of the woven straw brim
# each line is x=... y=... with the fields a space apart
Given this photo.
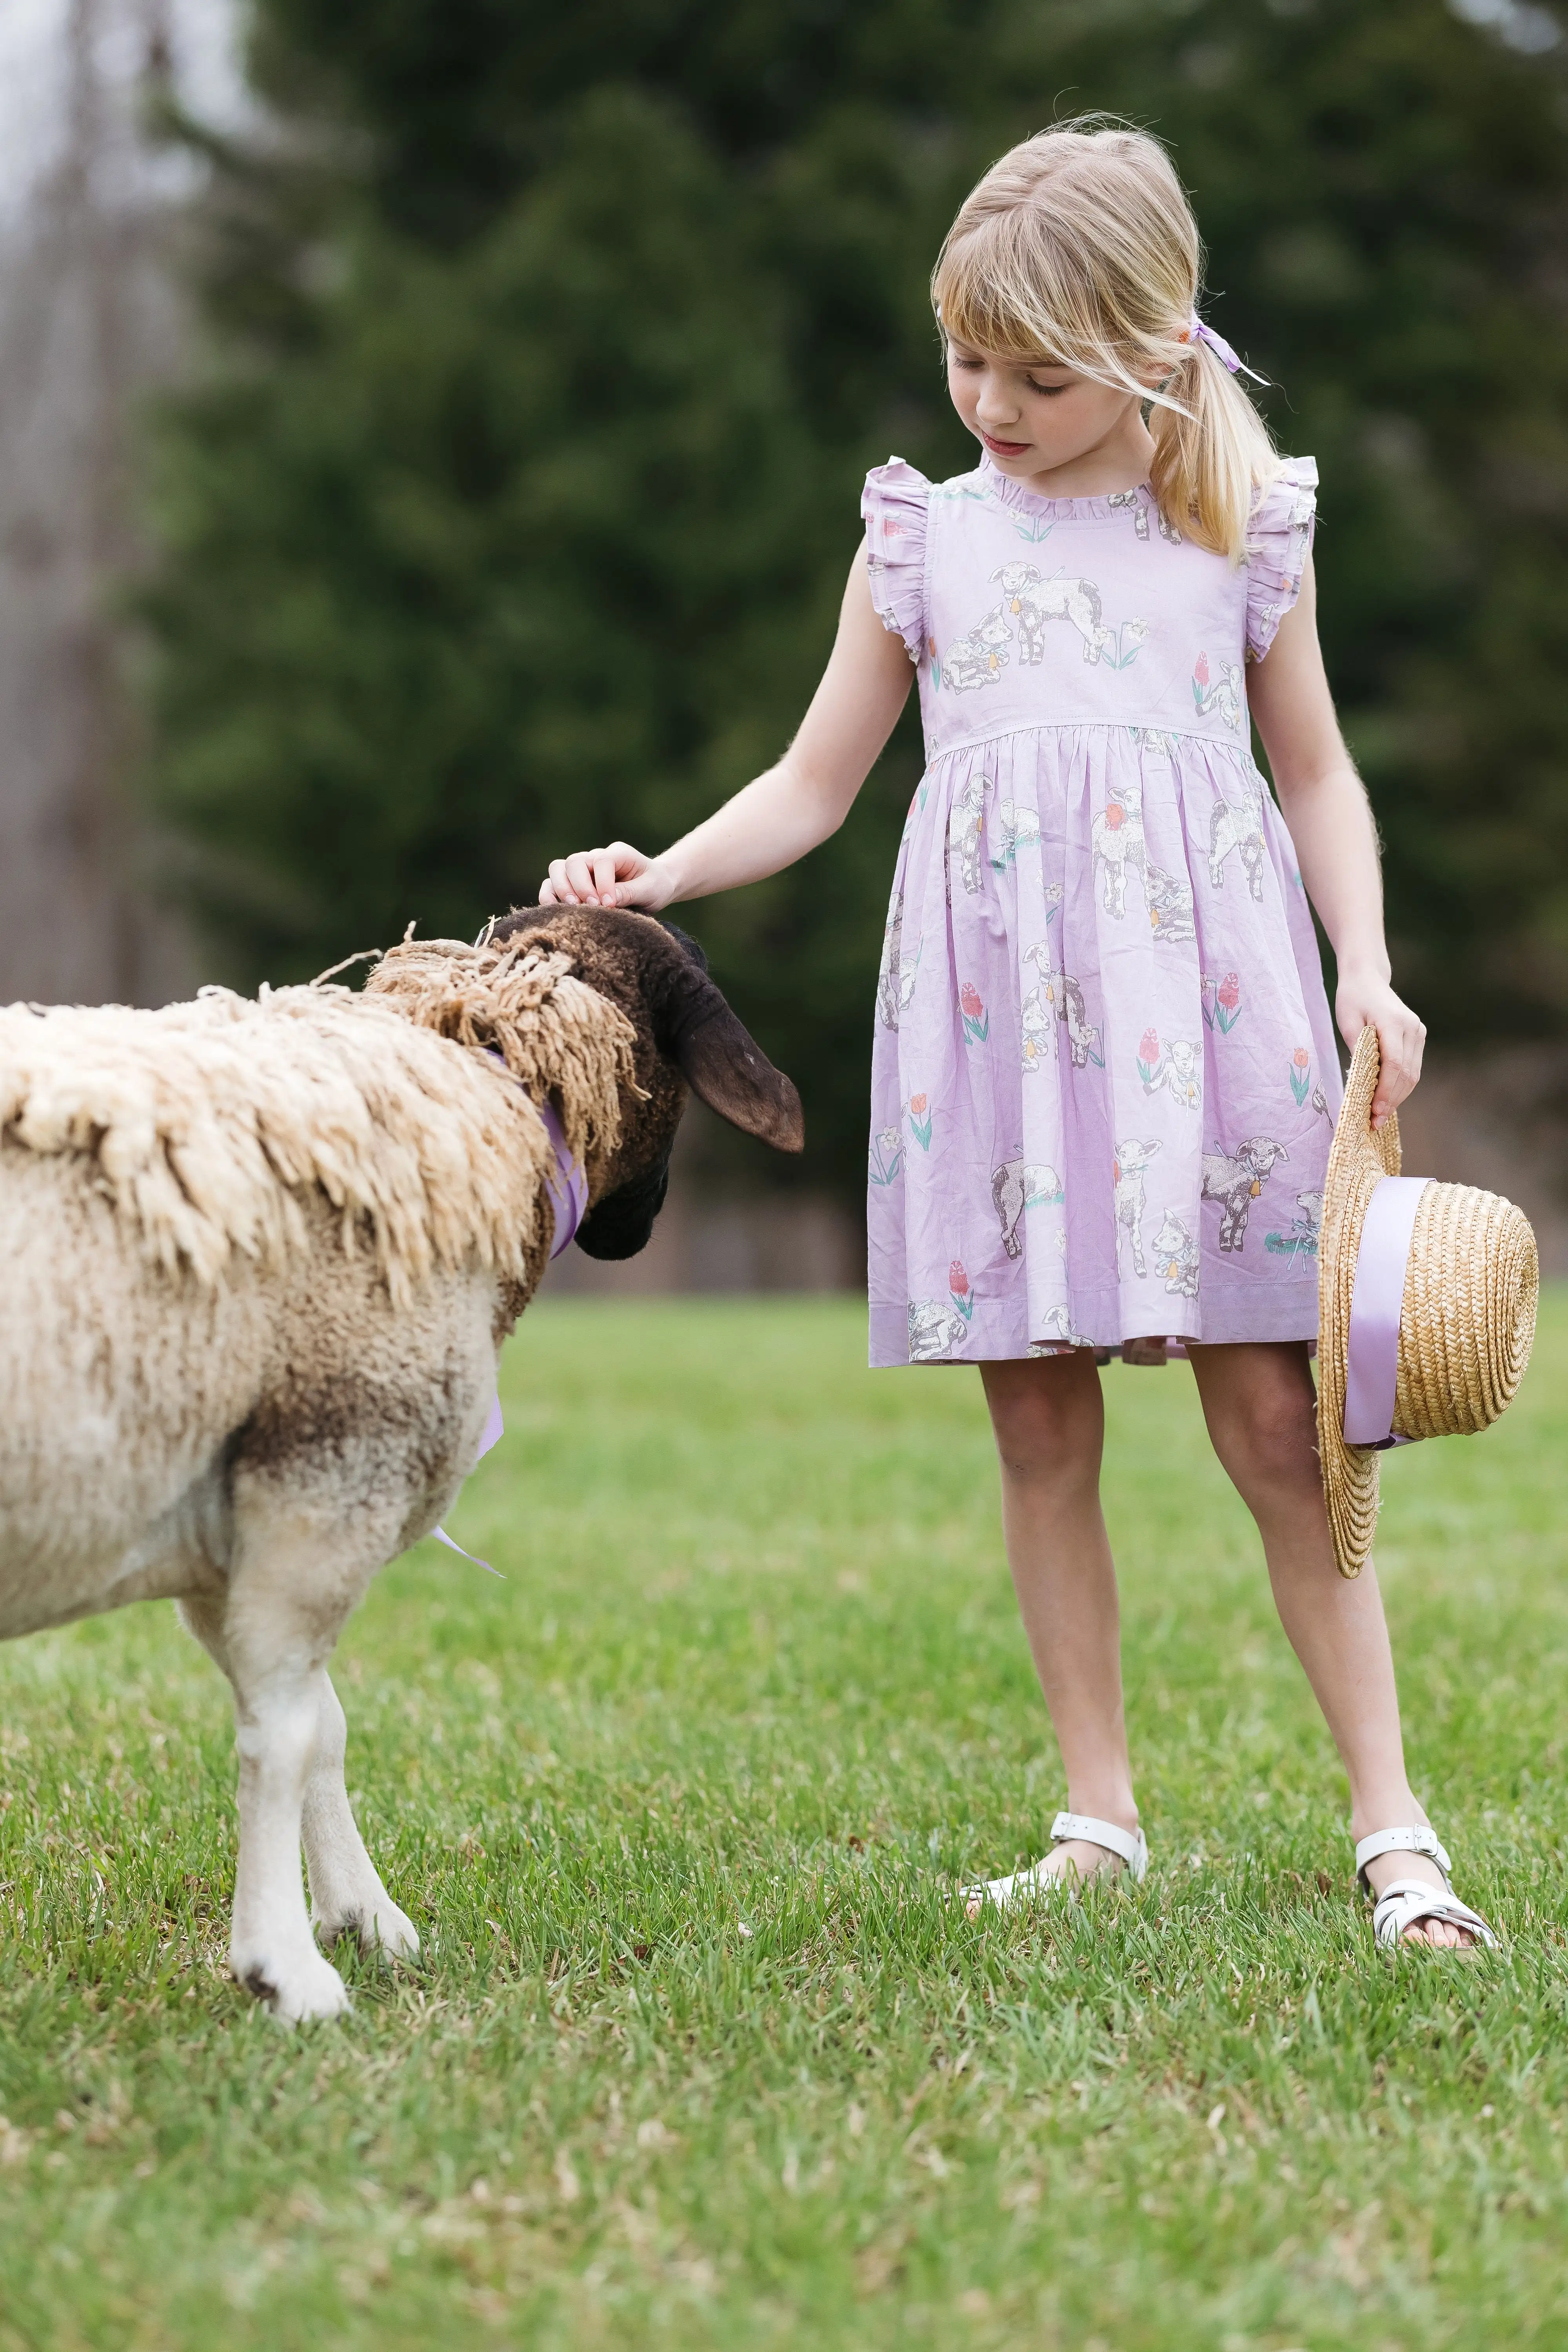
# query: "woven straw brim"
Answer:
x=1466 y=1320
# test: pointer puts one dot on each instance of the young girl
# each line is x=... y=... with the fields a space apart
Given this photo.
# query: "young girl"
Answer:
x=1104 y=1077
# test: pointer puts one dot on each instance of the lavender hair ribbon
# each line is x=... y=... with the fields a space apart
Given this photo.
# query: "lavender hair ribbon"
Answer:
x=568 y=1190
x=1198 y=330
x=1372 y=1353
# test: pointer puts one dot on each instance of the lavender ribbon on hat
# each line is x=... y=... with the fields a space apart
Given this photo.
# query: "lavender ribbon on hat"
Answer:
x=1198 y=330
x=1371 y=1349
x=568 y=1190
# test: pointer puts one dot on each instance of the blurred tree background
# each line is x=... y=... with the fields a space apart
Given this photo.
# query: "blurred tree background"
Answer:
x=546 y=349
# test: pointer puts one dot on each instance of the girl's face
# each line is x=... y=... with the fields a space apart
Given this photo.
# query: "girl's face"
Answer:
x=1036 y=419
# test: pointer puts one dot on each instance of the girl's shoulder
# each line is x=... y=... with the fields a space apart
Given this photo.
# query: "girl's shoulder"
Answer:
x=906 y=495
x=895 y=505
x=1279 y=539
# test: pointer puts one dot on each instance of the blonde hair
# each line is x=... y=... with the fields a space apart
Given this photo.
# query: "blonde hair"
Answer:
x=1079 y=247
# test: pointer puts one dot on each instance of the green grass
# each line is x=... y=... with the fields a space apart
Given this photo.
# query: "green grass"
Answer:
x=701 y=2053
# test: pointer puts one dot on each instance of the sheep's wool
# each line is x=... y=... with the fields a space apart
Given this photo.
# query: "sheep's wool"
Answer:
x=208 y=1123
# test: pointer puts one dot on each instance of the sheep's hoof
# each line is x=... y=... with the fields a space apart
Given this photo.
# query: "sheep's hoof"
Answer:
x=311 y=1989
x=379 y=1926
x=393 y=1931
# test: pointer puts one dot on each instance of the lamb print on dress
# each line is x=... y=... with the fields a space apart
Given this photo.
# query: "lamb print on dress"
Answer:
x=1100 y=982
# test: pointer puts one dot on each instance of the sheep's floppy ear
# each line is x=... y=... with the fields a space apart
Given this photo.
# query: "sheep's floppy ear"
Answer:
x=725 y=1065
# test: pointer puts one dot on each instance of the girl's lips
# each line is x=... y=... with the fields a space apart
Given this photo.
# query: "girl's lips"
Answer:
x=1002 y=448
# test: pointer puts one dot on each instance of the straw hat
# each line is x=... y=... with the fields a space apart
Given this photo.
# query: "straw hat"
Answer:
x=1465 y=1315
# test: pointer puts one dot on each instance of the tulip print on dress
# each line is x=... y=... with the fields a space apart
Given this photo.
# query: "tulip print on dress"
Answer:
x=959 y=1289
x=1222 y=1002
x=1300 y=1074
x=977 y=1020
x=920 y=1118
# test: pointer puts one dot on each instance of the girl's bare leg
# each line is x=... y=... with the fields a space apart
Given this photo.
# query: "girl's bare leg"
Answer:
x=1259 y=1403
x=1049 y=1420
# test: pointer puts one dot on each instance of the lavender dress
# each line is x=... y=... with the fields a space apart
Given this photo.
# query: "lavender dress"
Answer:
x=1105 y=1078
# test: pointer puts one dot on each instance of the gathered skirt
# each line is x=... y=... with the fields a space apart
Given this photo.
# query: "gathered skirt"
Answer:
x=1105 y=1078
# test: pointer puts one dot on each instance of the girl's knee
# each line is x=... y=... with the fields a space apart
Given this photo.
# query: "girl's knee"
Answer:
x=1269 y=1436
x=1047 y=1427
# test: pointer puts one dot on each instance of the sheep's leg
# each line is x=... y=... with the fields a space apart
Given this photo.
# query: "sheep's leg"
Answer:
x=271 y=1633
x=271 y=1947
x=346 y=1892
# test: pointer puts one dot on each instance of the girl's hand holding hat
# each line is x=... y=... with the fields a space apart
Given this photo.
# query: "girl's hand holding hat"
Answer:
x=1365 y=1001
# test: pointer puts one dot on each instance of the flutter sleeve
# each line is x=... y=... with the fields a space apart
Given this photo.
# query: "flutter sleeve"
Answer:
x=1278 y=541
x=895 y=504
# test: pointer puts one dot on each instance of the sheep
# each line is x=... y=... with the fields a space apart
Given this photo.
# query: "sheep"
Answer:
x=260 y=1256
x=935 y=1330
x=897 y=973
x=1034 y=601
x=979 y=658
x=1134 y=1156
x=1238 y=825
x=965 y=823
x=1116 y=840
x=1234 y=1180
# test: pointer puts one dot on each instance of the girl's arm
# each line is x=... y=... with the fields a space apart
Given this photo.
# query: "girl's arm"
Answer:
x=782 y=814
x=1324 y=803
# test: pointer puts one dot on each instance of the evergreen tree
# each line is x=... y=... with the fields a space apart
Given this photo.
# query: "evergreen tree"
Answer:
x=547 y=357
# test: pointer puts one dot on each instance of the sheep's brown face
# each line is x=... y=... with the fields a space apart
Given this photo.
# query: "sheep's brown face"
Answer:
x=687 y=1038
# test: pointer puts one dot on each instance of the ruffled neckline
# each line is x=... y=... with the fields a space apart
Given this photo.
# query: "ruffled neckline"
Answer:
x=1016 y=494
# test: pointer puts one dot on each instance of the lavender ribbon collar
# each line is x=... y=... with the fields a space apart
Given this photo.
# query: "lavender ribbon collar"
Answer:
x=1372 y=1352
x=568 y=1188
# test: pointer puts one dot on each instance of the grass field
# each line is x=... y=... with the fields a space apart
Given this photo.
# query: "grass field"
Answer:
x=702 y=2054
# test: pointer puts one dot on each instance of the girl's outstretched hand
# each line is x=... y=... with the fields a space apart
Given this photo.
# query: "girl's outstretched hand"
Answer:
x=619 y=875
x=1401 y=1036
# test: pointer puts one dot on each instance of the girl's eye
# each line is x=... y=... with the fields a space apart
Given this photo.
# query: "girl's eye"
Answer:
x=1047 y=388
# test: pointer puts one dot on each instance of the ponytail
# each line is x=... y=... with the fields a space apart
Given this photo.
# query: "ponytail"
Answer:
x=1212 y=453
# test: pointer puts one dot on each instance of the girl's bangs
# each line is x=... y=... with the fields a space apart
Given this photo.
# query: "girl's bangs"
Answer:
x=976 y=305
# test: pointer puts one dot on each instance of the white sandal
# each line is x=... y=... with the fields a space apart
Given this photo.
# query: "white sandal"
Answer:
x=1129 y=1845
x=1405 y=1901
